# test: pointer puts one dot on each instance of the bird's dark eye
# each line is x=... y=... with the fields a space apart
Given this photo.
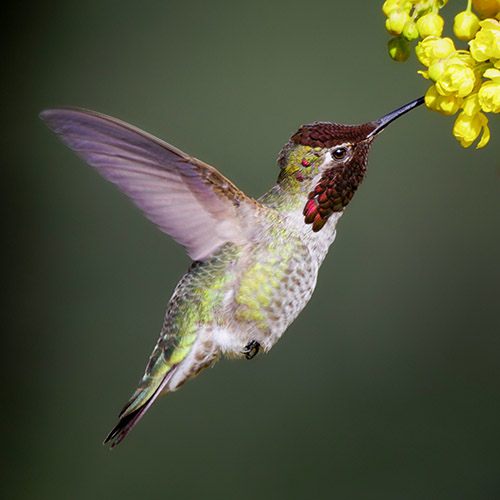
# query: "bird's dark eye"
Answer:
x=339 y=153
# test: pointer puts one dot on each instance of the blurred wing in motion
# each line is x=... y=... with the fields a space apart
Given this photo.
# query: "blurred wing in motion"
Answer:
x=186 y=198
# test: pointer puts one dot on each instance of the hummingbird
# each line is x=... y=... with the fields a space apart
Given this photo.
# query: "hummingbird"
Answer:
x=255 y=261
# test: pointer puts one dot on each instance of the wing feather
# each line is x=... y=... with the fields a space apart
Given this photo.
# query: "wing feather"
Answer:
x=186 y=198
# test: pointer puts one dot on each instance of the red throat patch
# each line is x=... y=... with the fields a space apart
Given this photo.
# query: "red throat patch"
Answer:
x=336 y=188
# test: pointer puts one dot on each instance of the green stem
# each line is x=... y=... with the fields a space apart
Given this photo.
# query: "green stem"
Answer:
x=469 y=5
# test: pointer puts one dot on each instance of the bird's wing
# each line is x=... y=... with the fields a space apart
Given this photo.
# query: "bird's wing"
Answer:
x=186 y=198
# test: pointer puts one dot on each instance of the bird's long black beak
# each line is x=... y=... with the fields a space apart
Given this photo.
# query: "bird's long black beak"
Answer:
x=385 y=120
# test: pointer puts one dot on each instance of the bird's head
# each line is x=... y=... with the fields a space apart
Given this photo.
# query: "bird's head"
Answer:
x=327 y=162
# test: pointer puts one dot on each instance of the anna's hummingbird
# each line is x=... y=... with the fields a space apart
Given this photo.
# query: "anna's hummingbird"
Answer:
x=255 y=261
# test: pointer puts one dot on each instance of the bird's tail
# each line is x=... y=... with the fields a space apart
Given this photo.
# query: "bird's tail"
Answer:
x=132 y=413
x=127 y=420
x=167 y=366
x=153 y=383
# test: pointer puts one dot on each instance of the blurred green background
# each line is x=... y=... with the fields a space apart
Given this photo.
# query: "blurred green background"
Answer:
x=387 y=385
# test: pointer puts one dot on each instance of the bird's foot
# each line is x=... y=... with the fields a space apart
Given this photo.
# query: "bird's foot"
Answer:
x=251 y=349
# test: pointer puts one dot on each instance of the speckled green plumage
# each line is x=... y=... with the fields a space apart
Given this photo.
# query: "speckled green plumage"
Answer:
x=266 y=280
x=261 y=280
x=197 y=300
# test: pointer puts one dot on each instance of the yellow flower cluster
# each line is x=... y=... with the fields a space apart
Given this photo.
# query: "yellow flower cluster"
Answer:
x=466 y=80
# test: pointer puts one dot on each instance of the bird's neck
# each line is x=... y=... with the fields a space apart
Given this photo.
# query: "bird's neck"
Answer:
x=285 y=197
x=291 y=207
x=300 y=172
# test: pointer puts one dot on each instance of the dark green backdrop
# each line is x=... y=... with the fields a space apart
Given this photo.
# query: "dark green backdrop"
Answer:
x=386 y=387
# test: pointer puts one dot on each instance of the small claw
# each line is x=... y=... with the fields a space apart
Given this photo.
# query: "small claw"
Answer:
x=251 y=349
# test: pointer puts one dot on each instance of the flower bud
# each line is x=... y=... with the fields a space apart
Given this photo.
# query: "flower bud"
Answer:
x=466 y=25
x=407 y=6
x=396 y=21
x=410 y=31
x=487 y=8
x=389 y=6
x=430 y=25
x=399 y=48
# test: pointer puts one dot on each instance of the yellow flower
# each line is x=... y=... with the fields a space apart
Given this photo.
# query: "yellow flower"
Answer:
x=492 y=74
x=463 y=82
x=467 y=129
x=447 y=105
x=471 y=105
x=466 y=25
x=489 y=97
x=461 y=57
x=486 y=45
x=433 y=48
x=430 y=25
x=490 y=25
x=456 y=79
x=436 y=69
x=489 y=93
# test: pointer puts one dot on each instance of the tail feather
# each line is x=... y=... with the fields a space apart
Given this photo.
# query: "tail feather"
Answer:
x=128 y=420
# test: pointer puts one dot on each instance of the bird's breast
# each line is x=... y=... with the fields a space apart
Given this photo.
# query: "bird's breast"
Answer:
x=276 y=277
